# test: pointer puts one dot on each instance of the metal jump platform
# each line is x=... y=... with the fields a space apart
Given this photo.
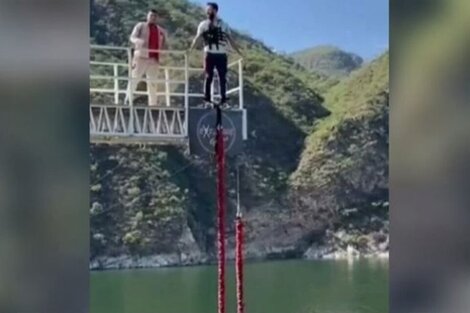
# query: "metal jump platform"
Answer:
x=175 y=119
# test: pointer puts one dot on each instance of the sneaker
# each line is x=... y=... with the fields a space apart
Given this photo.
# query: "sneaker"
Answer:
x=224 y=105
x=208 y=104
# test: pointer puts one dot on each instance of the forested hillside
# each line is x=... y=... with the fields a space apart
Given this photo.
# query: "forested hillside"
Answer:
x=344 y=166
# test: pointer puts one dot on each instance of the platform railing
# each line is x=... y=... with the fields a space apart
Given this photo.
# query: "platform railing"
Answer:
x=167 y=93
x=174 y=75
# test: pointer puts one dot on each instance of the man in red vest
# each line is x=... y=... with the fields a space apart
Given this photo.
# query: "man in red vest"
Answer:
x=146 y=37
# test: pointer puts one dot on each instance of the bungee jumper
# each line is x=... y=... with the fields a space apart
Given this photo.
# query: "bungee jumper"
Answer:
x=216 y=36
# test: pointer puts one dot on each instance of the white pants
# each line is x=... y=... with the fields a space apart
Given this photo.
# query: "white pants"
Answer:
x=149 y=67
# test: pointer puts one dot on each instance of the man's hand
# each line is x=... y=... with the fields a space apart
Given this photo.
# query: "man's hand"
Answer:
x=238 y=51
x=139 y=43
x=234 y=46
x=194 y=43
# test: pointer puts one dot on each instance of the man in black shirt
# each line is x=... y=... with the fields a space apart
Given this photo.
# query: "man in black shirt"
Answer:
x=216 y=36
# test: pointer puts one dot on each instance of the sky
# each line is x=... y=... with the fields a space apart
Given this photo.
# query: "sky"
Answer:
x=359 y=26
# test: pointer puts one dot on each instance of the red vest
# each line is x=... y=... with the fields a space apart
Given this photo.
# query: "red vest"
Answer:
x=154 y=40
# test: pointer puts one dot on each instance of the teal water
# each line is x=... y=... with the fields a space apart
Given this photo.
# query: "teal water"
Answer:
x=271 y=287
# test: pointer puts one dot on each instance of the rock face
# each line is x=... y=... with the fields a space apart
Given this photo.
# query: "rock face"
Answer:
x=187 y=252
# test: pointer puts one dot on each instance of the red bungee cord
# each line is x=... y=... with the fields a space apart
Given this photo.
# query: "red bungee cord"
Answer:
x=220 y=157
x=239 y=264
x=239 y=249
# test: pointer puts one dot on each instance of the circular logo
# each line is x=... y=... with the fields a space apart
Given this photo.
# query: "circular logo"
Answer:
x=205 y=132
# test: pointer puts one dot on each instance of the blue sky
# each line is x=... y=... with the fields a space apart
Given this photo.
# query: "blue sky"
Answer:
x=359 y=26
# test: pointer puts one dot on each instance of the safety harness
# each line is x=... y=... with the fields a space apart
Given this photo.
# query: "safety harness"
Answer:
x=214 y=36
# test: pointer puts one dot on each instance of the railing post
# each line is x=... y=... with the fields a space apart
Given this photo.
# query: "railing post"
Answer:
x=186 y=95
x=240 y=82
x=244 y=125
x=167 y=87
x=131 y=93
x=116 y=84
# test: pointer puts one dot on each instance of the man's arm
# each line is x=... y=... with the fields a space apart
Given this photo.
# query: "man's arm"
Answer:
x=234 y=44
x=164 y=38
x=195 y=41
x=197 y=38
x=231 y=41
x=136 y=34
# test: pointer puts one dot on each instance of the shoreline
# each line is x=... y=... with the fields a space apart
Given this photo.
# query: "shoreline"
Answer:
x=133 y=263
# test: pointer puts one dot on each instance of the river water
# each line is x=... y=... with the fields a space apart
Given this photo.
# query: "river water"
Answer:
x=270 y=287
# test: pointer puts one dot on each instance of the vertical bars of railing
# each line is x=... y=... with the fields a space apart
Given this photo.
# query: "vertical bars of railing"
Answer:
x=130 y=92
x=186 y=94
x=240 y=83
x=167 y=87
x=242 y=101
x=116 y=83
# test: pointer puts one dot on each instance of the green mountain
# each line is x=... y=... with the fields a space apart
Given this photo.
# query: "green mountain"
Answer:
x=342 y=176
x=154 y=206
x=328 y=60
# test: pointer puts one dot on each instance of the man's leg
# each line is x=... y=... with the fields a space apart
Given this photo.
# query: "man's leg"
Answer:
x=152 y=74
x=209 y=64
x=139 y=67
x=221 y=66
